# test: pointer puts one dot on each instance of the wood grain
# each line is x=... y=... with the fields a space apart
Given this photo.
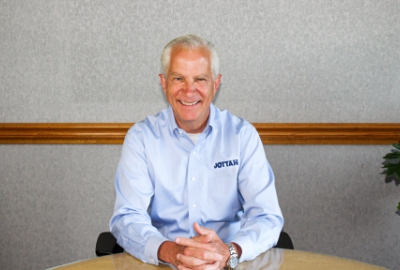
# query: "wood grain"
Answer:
x=270 y=133
x=329 y=133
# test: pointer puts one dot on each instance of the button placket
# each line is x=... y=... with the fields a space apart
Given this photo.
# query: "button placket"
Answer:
x=193 y=189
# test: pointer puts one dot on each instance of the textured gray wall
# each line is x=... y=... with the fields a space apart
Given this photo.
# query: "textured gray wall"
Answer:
x=282 y=61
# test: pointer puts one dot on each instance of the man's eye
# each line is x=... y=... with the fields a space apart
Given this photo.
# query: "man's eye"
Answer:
x=177 y=79
x=201 y=79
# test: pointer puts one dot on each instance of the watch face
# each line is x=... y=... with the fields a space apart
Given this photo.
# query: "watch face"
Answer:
x=233 y=262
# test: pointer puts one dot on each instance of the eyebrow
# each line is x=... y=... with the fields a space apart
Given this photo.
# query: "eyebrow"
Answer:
x=175 y=74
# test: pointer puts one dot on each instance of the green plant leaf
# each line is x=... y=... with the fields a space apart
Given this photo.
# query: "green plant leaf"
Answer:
x=391 y=165
x=395 y=145
x=394 y=155
x=395 y=171
x=392 y=169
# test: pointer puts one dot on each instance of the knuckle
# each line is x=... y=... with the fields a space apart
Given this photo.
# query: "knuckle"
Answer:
x=202 y=255
x=214 y=248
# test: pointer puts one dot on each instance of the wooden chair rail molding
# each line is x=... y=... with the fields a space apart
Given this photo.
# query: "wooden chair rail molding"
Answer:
x=270 y=133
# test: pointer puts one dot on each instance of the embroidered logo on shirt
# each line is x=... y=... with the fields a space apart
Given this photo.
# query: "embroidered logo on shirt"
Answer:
x=226 y=163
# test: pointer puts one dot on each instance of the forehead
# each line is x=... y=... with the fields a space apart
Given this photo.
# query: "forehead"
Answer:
x=186 y=58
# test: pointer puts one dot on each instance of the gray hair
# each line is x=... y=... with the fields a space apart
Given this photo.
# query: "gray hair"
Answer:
x=190 y=42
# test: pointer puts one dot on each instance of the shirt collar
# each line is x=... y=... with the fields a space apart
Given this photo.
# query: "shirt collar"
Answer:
x=171 y=118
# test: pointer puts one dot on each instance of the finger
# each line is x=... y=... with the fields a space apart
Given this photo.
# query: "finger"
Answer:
x=190 y=261
x=201 y=230
x=204 y=255
x=205 y=238
x=206 y=235
x=182 y=267
x=191 y=243
x=213 y=266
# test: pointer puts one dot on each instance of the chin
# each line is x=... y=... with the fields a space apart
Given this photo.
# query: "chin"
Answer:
x=189 y=116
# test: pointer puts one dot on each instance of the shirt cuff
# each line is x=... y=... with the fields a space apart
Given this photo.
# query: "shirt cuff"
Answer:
x=151 y=249
x=246 y=245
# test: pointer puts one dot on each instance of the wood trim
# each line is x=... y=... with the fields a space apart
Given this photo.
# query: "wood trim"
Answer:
x=329 y=133
x=270 y=133
x=63 y=133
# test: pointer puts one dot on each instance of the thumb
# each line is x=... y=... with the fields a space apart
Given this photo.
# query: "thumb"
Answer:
x=205 y=234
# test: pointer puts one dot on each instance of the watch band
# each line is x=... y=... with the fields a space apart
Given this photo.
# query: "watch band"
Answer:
x=233 y=260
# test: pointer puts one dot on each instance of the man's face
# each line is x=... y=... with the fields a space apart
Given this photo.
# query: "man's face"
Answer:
x=190 y=87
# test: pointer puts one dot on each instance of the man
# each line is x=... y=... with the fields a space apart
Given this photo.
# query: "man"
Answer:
x=193 y=186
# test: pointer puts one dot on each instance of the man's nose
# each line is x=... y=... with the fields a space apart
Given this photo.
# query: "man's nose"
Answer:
x=189 y=86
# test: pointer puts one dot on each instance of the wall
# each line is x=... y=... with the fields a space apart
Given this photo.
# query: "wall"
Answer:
x=282 y=61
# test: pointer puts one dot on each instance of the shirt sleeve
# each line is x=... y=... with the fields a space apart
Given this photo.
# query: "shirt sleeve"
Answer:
x=131 y=223
x=262 y=220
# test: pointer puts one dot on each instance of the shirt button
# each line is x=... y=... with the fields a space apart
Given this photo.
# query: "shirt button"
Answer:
x=193 y=178
x=194 y=205
x=194 y=152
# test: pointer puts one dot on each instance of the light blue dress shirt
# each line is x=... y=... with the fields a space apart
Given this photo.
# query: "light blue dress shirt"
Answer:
x=164 y=183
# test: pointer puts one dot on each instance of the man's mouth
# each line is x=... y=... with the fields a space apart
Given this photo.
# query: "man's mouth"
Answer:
x=189 y=103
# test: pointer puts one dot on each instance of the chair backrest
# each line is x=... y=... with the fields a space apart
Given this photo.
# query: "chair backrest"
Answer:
x=107 y=244
x=284 y=241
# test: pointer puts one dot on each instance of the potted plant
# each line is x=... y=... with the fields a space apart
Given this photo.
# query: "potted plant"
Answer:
x=392 y=165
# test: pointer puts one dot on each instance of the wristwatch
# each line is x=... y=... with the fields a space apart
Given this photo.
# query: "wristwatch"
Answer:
x=233 y=260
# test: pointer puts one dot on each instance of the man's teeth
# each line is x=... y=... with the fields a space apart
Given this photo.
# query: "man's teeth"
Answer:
x=188 y=103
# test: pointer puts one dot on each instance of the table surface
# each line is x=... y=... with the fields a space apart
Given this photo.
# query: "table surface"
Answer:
x=283 y=259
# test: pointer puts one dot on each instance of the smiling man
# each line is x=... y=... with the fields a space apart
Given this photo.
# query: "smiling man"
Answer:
x=193 y=186
x=190 y=86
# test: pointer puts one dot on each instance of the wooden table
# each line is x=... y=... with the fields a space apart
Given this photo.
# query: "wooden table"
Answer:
x=283 y=259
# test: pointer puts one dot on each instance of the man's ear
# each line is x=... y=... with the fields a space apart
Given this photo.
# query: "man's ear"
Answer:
x=217 y=82
x=163 y=83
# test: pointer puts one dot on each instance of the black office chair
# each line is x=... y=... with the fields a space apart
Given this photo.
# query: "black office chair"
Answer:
x=284 y=241
x=107 y=244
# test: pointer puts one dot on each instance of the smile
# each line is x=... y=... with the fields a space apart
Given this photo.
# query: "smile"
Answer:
x=189 y=103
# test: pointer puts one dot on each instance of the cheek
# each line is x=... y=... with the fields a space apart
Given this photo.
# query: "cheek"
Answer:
x=205 y=89
x=171 y=90
x=174 y=88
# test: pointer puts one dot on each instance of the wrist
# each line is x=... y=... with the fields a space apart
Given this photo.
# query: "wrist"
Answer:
x=238 y=249
x=167 y=252
x=233 y=259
